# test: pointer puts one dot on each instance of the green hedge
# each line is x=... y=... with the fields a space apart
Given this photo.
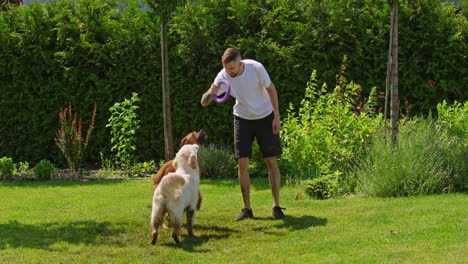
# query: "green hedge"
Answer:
x=84 y=53
x=88 y=51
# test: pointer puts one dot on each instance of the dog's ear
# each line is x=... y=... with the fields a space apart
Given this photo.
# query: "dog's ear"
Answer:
x=174 y=164
x=193 y=161
x=183 y=142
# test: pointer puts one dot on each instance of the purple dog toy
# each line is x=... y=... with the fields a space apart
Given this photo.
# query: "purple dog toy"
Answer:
x=223 y=99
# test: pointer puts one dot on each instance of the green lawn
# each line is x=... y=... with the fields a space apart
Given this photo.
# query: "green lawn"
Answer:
x=108 y=222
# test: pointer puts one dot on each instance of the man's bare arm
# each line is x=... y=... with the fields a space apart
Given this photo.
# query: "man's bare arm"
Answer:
x=206 y=98
x=274 y=99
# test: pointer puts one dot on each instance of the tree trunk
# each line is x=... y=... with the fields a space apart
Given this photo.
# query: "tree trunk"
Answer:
x=168 y=146
x=394 y=102
x=389 y=71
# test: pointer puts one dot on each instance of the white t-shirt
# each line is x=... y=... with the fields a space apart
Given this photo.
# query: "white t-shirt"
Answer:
x=249 y=89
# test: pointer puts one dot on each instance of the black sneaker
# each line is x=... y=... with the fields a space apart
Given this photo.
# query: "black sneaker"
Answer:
x=277 y=213
x=246 y=213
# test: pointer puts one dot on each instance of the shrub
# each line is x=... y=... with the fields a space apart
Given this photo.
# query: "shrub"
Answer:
x=453 y=119
x=327 y=132
x=43 y=170
x=23 y=167
x=23 y=170
x=143 y=168
x=69 y=137
x=216 y=162
x=322 y=187
x=417 y=165
x=124 y=123
x=7 y=168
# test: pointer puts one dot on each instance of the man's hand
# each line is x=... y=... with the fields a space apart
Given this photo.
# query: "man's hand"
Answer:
x=208 y=96
x=274 y=102
x=214 y=89
x=276 y=125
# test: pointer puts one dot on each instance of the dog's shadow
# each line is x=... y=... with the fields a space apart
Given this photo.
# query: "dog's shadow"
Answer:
x=190 y=244
x=291 y=223
x=43 y=236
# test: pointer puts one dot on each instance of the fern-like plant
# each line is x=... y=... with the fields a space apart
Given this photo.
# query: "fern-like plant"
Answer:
x=69 y=137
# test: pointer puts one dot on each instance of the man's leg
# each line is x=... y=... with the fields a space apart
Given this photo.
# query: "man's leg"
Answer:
x=274 y=177
x=270 y=145
x=243 y=138
x=244 y=180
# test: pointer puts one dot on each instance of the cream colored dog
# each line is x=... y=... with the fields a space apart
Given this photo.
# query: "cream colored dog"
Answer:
x=178 y=192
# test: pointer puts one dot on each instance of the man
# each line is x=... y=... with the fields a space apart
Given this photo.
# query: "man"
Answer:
x=256 y=115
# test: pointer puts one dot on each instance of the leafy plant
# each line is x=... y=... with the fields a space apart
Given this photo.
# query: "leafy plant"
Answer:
x=69 y=137
x=7 y=168
x=453 y=120
x=326 y=132
x=23 y=167
x=143 y=168
x=124 y=123
x=322 y=187
x=44 y=170
x=216 y=162
x=24 y=171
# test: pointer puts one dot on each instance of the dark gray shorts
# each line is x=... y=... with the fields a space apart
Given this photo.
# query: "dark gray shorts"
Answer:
x=245 y=131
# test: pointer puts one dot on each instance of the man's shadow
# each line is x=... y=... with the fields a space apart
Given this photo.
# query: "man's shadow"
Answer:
x=291 y=223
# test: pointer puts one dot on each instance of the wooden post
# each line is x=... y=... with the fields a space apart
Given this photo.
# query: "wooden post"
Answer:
x=389 y=70
x=394 y=101
x=392 y=76
x=168 y=146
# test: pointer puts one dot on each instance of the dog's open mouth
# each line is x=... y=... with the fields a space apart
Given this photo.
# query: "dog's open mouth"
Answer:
x=202 y=137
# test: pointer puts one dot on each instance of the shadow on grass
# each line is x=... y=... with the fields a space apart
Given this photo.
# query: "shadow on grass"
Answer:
x=291 y=223
x=45 y=184
x=43 y=236
x=190 y=244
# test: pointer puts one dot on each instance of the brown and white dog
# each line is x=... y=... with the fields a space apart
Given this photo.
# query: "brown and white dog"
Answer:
x=177 y=193
x=194 y=137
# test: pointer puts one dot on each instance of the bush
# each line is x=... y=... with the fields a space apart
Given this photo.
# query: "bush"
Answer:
x=7 y=168
x=143 y=168
x=322 y=187
x=217 y=162
x=43 y=170
x=419 y=164
x=453 y=119
x=327 y=132
x=23 y=167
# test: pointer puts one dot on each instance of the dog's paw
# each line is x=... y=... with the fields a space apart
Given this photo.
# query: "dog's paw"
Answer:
x=155 y=238
x=176 y=238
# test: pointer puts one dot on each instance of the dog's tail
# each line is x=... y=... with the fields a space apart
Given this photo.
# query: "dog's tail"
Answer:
x=171 y=185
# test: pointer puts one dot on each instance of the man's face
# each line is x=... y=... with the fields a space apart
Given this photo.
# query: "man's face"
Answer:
x=233 y=68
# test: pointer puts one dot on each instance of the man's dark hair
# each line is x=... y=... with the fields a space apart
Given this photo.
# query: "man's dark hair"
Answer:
x=231 y=54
